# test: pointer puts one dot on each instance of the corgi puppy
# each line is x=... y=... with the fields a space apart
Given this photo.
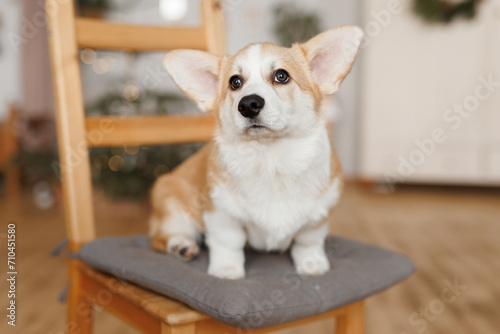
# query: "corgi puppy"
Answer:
x=270 y=177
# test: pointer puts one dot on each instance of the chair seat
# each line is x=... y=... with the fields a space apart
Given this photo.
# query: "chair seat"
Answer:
x=272 y=292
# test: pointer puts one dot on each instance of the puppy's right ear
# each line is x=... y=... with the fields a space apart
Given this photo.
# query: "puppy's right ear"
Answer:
x=196 y=73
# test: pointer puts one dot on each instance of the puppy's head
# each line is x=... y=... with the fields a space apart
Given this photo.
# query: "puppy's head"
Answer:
x=267 y=90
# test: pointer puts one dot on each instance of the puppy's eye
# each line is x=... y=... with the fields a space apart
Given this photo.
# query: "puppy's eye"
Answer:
x=235 y=82
x=281 y=76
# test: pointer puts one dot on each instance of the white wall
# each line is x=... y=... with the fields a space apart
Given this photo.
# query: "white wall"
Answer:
x=428 y=116
x=10 y=60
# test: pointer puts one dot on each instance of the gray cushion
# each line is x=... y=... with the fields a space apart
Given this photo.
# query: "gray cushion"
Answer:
x=271 y=294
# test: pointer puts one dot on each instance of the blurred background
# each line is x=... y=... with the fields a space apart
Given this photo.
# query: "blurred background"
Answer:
x=416 y=125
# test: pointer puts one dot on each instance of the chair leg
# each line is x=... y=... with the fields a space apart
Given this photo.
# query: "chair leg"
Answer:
x=353 y=321
x=180 y=329
x=80 y=309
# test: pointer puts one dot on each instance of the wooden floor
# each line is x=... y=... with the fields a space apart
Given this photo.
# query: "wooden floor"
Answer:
x=451 y=234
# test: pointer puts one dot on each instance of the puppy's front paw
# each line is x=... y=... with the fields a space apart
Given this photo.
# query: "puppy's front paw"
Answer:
x=310 y=262
x=182 y=247
x=227 y=271
x=313 y=267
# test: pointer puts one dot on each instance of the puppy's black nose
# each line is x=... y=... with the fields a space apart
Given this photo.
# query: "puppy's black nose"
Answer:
x=251 y=105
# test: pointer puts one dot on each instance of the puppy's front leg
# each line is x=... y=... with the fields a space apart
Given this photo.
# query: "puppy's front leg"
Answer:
x=308 y=251
x=226 y=240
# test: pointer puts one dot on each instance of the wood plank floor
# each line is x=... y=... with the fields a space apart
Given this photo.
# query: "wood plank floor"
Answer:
x=452 y=235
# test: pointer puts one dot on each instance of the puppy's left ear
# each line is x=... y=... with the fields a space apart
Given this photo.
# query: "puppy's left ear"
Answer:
x=331 y=55
x=196 y=73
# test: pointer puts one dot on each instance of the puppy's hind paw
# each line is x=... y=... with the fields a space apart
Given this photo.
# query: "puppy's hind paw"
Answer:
x=182 y=247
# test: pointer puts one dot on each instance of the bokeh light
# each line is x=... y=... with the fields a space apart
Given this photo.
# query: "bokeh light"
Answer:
x=115 y=163
x=131 y=90
x=43 y=196
x=132 y=149
x=88 y=56
x=100 y=66
x=173 y=10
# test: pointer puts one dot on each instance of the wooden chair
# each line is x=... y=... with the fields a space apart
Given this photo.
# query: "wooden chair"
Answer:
x=8 y=150
x=146 y=311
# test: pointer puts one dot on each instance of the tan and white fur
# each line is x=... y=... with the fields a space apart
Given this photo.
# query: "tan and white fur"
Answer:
x=270 y=177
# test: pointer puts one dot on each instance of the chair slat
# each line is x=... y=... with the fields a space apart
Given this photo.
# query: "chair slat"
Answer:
x=99 y=34
x=151 y=130
x=70 y=117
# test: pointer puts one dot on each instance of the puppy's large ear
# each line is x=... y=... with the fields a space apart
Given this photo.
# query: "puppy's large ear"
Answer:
x=331 y=55
x=196 y=73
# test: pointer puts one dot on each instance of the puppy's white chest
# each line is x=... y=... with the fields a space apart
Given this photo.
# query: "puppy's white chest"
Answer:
x=277 y=208
x=273 y=204
x=273 y=219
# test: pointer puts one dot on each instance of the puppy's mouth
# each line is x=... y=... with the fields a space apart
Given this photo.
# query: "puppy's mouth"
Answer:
x=257 y=130
x=255 y=125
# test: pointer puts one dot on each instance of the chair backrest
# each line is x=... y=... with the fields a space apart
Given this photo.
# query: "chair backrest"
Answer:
x=76 y=133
